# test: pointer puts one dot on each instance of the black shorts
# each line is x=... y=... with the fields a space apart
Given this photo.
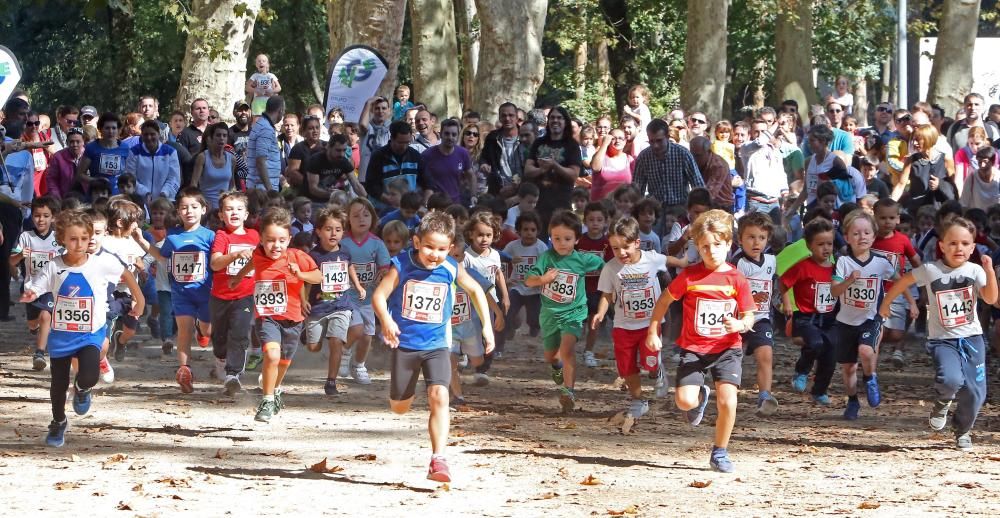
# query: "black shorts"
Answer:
x=726 y=366
x=35 y=308
x=850 y=337
x=760 y=336
x=593 y=299
x=815 y=329
x=119 y=307
x=407 y=364
x=283 y=332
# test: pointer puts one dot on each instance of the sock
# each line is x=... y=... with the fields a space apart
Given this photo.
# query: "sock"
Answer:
x=867 y=378
x=853 y=399
x=438 y=456
x=719 y=452
x=331 y=380
x=269 y=398
x=557 y=365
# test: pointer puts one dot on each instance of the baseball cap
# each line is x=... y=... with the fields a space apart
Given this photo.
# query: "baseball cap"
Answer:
x=240 y=104
x=88 y=111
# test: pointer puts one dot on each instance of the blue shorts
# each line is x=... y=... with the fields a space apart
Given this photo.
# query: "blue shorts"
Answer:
x=118 y=309
x=191 y=305
x=35 y=308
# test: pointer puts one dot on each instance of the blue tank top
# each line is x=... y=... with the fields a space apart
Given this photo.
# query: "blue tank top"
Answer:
x=421 y=305
x=215 y=180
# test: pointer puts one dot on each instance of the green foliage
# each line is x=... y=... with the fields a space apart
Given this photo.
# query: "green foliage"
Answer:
x=281 y=32
x=852 y=37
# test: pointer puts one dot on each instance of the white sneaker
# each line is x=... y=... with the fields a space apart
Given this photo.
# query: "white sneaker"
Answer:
x=219 y=370
x=360 y=374
x=107 y=372
x=463 y=361
x=345 y=365
x=588 y=359
x=897 y=359
x=480 y=379
x=232 y=385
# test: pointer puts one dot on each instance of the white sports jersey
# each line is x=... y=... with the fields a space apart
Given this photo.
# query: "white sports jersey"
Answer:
x=861 y=300
x=952 y=295
x=761 y=275
x=522 y=258
x=486 y=265
x=636 y=288
x=37 y=250
x=127 y=250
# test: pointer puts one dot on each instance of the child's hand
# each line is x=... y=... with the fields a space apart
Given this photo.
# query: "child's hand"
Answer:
x=294 y=268
x=653 y=342
x=884 y=311
x=733 y=325
x=306 y=307
x=914 y=311
x=596 y=320
x=246 y=253
x=550 y=275
x=233 y=281
x=987 y=263
x=498 y=322
x=853 y=276
x=390 y=334
x=787 y=310
x=29 y=296
x=488 y=344
x=362 y=294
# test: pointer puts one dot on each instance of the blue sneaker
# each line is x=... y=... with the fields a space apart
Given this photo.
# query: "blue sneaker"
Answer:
x=872 y=392
x=822 y=399
x=799 y=382
x=81 y=401
x=57 y=433
x=852 y=410
x=720 y=461
x=695 y=415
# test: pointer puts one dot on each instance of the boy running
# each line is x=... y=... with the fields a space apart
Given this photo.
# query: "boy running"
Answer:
x=36 y=248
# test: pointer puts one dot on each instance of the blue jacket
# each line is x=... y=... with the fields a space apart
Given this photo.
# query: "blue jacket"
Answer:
x=155 y=173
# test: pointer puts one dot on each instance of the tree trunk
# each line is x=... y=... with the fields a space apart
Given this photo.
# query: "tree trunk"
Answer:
x=860 y=109
x=219 y=79
x=314 y=81
x=704 y=81
x=624 y=71
x=580 y=69
x=435 y=49
x=885 y=83
x=376 y=23
x=511 y=67
x=793 y=78
x=603 y=67
x=467 y=22
x=951 y=74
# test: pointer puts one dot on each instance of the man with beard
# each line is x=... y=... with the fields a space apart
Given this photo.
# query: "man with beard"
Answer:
x=554 y=164
x=329 y=169
x=499 y=161
x=449 y=166
x=634 y=143
x=239 y=135
x=374 y=130
x=425 y=137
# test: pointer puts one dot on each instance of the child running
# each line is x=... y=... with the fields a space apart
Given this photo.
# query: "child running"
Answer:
x=481 y=257
x=413 y=302
x=954 y=333
x=714 y=293
x=594 y=242
x=630 y=282
x=897 y=248
x=36 y=248
x=231 y=308
x=560 y=273
x=78 y=282
x=188 y=249
x=524 y=253
x=124 y=218
x=759 y=268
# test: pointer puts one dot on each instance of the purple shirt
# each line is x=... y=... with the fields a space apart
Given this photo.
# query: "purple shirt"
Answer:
x=444 y=172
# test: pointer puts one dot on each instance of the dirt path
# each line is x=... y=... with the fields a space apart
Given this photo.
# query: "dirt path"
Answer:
x=147 y=450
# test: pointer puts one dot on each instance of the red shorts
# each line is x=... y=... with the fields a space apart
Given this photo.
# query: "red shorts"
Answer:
x=631 y=352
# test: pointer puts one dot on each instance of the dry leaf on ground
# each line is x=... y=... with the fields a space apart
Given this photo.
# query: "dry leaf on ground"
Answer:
x=591 y=481
x=628 y=511
x=700 y=484
x=867 y=504
x=114 y=459
x=66 y=485
x=547 y=496
x=321 y=467
x=219 y=454
x=365 y=456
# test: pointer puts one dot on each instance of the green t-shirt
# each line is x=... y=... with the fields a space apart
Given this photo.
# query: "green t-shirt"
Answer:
x=565 y=298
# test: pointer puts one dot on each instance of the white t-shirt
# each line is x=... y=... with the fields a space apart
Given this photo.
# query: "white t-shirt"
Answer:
x=691 y=250
x=951 y=299
x=78 y=287
x=487 y=265
x=861 y=300
x=761 y=275
x=512 y=214
x=650 y=241
x=37 y=250
x=127 y=250
x=265 y=82
x=522 y=258
x=636 y=288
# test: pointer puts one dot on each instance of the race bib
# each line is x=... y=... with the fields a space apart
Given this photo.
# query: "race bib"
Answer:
x=237 y=265
x=710 y=314
x=366 y=273
x=956 y=307
x=824 y=300
x=638 y=304
x=111 y=165
x=562 y=289
x=188 y=266
x=595 y=253
x=424 y=301
x=37 y=261
x=761 y=291
x=460 y=312
x=812 y=182
x=73 y=314
x=862 y=293
x=270 y=297
x=40 y=162
x=335 y=278
x=521 y=268
x=891 y=257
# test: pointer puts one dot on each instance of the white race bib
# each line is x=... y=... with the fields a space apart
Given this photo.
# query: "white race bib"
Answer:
x=188 y=266
x=709 y=316
x=270 y=297
x=73 y=314
x=638 y=304
x=335 y=278
x=366 y=273
x=237 y=265
x=562 y=289
x=37 y=261
x=424 y=301
x=111 y=165
x=761 y=291
x=823 y=300
x=862 y=293
x=956 y=307
x=521 y=268
x=460 y=312
x=40 y=162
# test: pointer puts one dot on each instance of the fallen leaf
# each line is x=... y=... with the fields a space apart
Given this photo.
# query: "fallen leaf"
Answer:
x=123 y=506
x=66 y=485
x=177 y=497
x=546 y=496
x=867 y=504
x=137 y=488
x=74 y=458
x=506 y=426
x=365 y=456
x=566 y=426
x=219 y=454
x=700 y=484
x=444 y=487
x=970 y=485
x=993 y=458
x=628 y=511
x=564 y=472
x=591 y=480
x=173 y=482
x=321 y=467
x=114 y=459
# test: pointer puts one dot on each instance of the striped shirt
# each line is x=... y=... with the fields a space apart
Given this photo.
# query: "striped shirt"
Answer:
x=670 y=178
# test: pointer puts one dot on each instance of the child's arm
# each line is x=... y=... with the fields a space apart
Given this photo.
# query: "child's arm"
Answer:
x=235 y=279
x=250 y=86
x=915 y=260
x=363 y=119
x=352 y=272
x=629 y=111
x=663 y=303
x=478 y=298
x=221 y=261
x=356 y=185
x=276 y=86
x=498 y=318
x=501 y=283
x=138 y=301
x=535 y=281
x=313 y=276
x=677 y=262
x=15 y=259
x=786 y=301
x=146 y=246
x=838 y=288
x=390 y=331
x=739 y=325
x=903 y=285
x=602 y=308
x=989 y=293
x=914 y=308
x=38 y=285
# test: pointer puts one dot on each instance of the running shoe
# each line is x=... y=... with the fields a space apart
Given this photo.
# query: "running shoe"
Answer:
x=567 y=399
x=107 y=372
x=852 y=410
x=57 y=433
x=696 y=414
x=821 y=399
x=799 y=382
x=662 y=386
x=117 y=347
x=154 y=326
x=81 y=401
x=38 y=360
x=463 y=361
x=638 y=408
x=166 y=349
x=480 y=379
x=455 y=403
x=219 y=369
x=872 y=392
x=360 y=374
x=265 y=411
x=557 y=374
x=589 y=360
x=185 y=378
x=232 y=385
x=964 y=441
x=939 y=415
x=897 y=359
x=766 y=404
x=720 y=461
x=279 y=400
x=330 y=388
x=438 y=470
x=253 y=360
x=345 y=365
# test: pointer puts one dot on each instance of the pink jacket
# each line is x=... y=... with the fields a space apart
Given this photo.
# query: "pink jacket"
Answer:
x=59 y=175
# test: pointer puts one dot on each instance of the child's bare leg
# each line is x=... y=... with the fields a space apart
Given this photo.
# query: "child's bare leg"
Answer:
x=439 y=421
x=725 y=400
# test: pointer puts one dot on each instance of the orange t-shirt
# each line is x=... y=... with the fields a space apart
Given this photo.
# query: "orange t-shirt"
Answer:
x=277 y=291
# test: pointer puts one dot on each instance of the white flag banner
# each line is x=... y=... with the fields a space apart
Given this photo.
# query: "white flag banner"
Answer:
x=354 y=78
x=10 y=74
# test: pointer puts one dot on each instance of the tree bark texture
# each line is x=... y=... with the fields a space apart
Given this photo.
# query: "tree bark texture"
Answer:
x=793 y=54
x=221 y=80
x=511 y=67
x=624 y=72
x=580 y=69
x=860 y=110
x=435 y=53
x=467 y=21
x=375 y=23
x=703 y=84
x=603 y=66
x=951 y=74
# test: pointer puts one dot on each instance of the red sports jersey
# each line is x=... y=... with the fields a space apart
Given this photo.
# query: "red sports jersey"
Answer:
x=709 y=296
x=225 y=243
x=277 y=292
x=599 y=247
x=896 y=248
x=811 y=282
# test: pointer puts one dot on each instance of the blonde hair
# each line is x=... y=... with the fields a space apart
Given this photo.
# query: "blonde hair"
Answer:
x=718 y=223
x=926 y=135
x=859 y=214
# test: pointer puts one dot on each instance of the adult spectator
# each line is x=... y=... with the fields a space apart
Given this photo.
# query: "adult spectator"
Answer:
x=966 y=163
x=425 y=136
x=300 y=152
x=835 y=112
x=554 y=164
x=500 y=160
x=633 y=144
x=239 y=133
x=328 y=170
x=291 y=134
x=215 y=167
x=62 y=168
x=149 y=108
x=177 y=123
x=17 y=164
x=538 y=119
x=884 y=125
x=714 y=172
x=611 y=166
x=88 y=116
x=602 y=126
x=842 y=143
x=103 y=158
x=697 y=124
x=263 y=154
x=982 y=188
x=39 y=154
x=958 y=133
x=190 y=136
x=665 y=170
x=448 y=166
x=374 y=131
x=924 y=172
x=67 y=118
x=763 y=169
x=898 y=148
x=155 y=165
x=825 y=165
x=395 y=167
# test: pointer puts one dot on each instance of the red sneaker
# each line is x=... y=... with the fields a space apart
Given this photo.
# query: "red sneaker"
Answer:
x=202 y=339
x=185 y=379
x=438 y=471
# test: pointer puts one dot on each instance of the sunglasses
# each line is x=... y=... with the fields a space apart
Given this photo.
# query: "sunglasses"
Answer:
x=699 y=121
x=905 y=118
x=884 y=109
x=471 y=134
x=35 y=123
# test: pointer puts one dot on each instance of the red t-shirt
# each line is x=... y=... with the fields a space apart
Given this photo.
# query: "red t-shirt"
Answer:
x=896 y=248
x=506 y=236
x=277 y=292
x=811 y=282
x=599 y=247
x=708 y=297
x=225 y=243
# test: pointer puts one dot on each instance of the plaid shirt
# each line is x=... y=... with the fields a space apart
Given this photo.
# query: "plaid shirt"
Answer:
x=668 y=179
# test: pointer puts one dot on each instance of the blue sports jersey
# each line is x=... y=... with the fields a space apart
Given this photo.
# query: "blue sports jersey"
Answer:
x=368 y=257
x=464 y=317
x=188 y=254
x=106 y=163
x=422 y=303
